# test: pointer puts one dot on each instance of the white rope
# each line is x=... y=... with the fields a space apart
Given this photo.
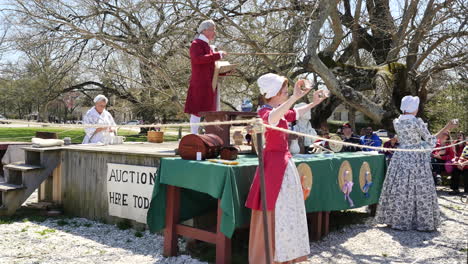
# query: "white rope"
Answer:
x=232 y=122
x=216 y=123
x=357 y=145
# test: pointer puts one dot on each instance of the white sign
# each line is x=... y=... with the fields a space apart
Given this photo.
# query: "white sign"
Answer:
x=129 y=190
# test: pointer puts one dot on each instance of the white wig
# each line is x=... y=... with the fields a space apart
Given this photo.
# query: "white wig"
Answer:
x=100 y=97
x=205 y=25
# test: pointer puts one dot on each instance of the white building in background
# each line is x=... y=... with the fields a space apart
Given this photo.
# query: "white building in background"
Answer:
x=341 y=113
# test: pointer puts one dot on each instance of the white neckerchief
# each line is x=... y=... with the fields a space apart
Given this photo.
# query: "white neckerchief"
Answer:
x=406 y=117
x=100 y=115
x=212 y=47
x=204 y=38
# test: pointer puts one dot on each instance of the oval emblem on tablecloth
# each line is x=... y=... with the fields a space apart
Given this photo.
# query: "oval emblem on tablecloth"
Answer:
x=365 y=178
x=304 y=170
x=345 y=166
x=345 y=180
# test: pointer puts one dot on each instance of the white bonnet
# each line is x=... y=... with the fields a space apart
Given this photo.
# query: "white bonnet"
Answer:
x=270 y=84
x=409 y=104
x=100 y=97
x=205 y=25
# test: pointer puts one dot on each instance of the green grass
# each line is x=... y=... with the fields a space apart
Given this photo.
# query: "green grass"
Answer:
x=24 y=134
x=46 y=231
x=62 y=222
x=124 y=224
x=6 y=221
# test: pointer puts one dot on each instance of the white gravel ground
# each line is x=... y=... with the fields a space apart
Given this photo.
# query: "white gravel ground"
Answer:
x=79 y=240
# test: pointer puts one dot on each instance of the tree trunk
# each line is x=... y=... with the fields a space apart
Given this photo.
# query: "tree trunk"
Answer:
x=352 y=117
x=321 y=113
x=42 y=115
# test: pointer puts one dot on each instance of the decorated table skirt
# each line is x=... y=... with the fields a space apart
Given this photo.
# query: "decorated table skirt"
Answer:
x=341 y=181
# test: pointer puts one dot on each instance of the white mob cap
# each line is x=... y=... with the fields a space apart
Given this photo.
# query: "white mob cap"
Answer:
x=205 y=25
x=100 y=97
x=409 y=104
x=270 y=84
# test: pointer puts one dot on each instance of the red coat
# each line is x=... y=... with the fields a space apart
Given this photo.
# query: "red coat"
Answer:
x=447 y=153
x=200 y=96
x=276 y=156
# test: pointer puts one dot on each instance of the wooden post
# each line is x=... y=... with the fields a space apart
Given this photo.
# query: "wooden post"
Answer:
x=172 y=218
x=316 y=226
x=263 y=194
x=325 y=223
x=57 y=184
x=373 y=209
x=223 y=244
x=45 y=192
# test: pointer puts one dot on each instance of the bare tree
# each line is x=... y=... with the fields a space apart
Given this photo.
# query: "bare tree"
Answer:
x=407 y=46
x=368 y=53
x=151 y=33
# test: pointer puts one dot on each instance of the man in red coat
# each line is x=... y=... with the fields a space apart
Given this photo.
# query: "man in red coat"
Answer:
x=201 y=96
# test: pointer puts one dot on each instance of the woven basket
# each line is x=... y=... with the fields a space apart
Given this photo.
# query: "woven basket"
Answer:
x=155 y=136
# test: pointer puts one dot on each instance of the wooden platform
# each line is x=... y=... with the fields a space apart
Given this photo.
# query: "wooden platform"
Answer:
x=165 y=149
x=4 y=145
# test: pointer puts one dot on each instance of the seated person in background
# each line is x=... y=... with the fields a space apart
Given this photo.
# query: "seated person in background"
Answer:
x=99 y=115
x=392 y=143
x=349 y=137
x=440 y=157
x=370 y=139
x=362 y=132
x=461 y=167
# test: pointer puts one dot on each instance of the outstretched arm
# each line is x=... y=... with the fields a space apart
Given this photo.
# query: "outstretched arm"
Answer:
x=298 y=93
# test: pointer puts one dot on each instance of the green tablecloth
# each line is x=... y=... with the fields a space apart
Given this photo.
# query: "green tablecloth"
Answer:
x=202 y=181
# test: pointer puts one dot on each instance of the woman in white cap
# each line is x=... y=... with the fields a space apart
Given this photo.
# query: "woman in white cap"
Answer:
x=98 y=115
x=408 y=199
x=289 y=241
x=201 y=96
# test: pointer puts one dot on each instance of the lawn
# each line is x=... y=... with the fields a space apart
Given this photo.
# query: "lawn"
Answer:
x=26 y=133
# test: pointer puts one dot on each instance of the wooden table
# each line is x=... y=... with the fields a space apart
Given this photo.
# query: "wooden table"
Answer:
x=223 y=131
x=173 y=229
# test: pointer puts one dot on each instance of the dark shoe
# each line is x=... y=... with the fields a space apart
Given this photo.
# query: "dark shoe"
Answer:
x=438 y=180
x=454 y=192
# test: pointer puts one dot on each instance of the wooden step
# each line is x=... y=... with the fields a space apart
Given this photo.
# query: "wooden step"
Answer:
x=22 y=167
x=5 y=187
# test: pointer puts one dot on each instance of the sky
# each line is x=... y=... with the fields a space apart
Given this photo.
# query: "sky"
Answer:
x=12 y=56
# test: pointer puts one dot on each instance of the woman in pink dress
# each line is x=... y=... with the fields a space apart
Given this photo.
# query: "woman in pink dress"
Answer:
x=289 y=241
